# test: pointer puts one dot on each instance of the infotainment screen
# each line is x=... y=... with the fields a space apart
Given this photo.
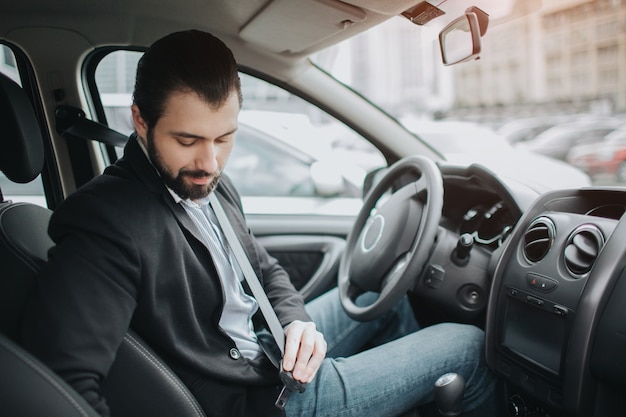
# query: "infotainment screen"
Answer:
x=534 y=333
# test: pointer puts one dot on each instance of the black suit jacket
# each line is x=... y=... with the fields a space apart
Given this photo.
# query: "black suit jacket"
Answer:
x=127 y=255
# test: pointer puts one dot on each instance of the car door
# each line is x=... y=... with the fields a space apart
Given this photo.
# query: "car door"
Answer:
x=299 y=170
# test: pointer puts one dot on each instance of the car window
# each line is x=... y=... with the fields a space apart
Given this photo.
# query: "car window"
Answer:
x=289 y=155
x=537 y=100
x=32 y=192
x=257 y=156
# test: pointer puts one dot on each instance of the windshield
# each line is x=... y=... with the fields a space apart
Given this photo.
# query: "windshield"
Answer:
x=549 y=83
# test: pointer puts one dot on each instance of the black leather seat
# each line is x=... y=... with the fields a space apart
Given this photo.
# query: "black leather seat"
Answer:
x=24 y=240
x=28 y=388
x=139 y=383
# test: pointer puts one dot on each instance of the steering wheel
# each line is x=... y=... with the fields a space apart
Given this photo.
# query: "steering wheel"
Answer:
x=392 y=238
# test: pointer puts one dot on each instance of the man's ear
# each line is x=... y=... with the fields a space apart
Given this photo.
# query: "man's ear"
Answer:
x=141 y=127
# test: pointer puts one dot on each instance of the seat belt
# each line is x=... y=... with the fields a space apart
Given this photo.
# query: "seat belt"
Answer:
x=289 y=383
x=253 y=281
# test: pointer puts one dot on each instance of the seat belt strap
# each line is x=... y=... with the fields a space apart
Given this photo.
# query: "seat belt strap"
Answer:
x=289 y=383
x=253 y=281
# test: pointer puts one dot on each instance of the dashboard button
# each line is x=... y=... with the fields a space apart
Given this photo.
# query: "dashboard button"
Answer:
x=559 y=310
x=534 y=300
x=540 y=283
x=434 y=276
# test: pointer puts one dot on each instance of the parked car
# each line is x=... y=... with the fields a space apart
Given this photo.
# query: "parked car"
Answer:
x=603 y=158
x=523 y=248
x=273 y=168
x=525 y=129
x=468 y=142
x=557 y=141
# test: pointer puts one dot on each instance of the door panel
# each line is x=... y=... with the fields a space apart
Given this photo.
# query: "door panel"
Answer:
x=308 y=248
x=311 y=261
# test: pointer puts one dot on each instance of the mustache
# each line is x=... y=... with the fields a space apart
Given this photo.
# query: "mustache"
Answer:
x=199 y=173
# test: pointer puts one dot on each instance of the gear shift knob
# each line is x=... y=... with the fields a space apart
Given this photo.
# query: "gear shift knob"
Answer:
x=449 y=390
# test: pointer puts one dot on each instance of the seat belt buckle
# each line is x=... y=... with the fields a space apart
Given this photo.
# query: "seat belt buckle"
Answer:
x=289 y=385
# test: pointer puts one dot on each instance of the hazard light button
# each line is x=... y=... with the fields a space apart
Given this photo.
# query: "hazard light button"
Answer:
x=541 y=283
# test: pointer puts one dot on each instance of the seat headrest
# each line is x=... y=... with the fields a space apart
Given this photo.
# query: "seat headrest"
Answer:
x=21 y=143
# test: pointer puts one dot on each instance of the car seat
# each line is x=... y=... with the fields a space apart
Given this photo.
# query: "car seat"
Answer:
x=139 y=383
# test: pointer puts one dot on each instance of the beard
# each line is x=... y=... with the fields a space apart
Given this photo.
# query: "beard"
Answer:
x=176 y=181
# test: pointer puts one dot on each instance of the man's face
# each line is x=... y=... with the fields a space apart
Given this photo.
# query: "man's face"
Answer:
x=191 y=142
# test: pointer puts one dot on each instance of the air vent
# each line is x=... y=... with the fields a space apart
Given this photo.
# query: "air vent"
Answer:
x=582 y=249
x=538 y=239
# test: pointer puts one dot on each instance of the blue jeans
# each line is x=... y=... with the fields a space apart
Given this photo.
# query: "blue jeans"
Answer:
x=388 y=366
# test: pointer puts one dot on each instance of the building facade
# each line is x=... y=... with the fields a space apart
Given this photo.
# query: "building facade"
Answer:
x=577 y=55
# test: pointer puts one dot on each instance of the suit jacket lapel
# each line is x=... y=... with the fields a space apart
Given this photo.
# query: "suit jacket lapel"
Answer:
x=135 y=160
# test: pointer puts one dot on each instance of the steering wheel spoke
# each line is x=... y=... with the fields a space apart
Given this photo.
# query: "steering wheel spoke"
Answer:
x=389 y=244
x=390 y=280
x=406 y=192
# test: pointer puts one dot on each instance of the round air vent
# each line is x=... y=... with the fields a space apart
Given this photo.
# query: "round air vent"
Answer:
x=538 y=239
x=582 y=249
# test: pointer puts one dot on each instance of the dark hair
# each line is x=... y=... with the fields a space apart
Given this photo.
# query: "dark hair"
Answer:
x=184 y=61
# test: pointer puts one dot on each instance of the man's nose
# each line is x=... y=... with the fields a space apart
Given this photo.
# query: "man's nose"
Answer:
x=206 y=157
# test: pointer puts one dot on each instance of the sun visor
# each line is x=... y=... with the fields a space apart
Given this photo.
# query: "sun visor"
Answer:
x=317 y=20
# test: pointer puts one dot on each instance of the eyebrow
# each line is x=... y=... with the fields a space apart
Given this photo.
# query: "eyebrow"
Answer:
x=194 y=136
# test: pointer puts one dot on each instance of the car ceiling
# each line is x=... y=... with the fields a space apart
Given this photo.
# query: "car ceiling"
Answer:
x=311 y=24
x=133 y=21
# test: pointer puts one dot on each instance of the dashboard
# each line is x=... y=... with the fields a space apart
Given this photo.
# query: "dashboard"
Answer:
x=545 y=276
x=555 y=321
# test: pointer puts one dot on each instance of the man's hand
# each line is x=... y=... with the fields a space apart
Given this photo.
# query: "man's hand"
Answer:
x=305 y=349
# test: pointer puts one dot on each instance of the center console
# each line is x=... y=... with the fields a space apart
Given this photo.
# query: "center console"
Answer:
x=550 y=286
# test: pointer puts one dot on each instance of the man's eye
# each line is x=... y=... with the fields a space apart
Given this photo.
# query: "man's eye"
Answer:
x=225 y=139
x=186 y=142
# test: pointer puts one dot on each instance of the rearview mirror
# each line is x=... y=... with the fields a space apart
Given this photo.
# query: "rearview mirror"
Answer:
x=460 y=39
